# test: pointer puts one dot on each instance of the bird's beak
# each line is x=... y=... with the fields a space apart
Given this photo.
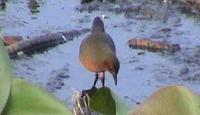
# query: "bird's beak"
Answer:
x=115 y=78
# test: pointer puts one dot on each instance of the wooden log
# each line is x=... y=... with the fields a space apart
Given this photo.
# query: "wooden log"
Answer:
x=143 y=43
x=41 y=43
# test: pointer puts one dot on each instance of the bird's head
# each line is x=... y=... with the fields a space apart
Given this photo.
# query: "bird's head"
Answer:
x=98 y=25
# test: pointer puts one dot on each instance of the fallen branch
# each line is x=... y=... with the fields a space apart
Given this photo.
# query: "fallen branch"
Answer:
x=41 y=43
x=150 y=45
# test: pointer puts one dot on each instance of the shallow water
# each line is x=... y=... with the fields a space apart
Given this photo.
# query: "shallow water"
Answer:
x=139 y=75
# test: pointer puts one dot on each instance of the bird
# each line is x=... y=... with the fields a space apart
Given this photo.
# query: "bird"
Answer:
x=97 y=53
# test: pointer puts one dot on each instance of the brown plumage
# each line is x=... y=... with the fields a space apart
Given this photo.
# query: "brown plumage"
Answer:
x=98 y=53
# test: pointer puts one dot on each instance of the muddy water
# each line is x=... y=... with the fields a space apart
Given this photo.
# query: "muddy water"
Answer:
x=141 y=72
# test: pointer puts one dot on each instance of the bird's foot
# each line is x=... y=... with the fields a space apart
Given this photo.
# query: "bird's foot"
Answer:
x=89 y=92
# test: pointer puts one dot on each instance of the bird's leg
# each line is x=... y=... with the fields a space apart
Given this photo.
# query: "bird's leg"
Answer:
x=102 y=77
x=92 y=90
x=103 y=81
x=95 y=81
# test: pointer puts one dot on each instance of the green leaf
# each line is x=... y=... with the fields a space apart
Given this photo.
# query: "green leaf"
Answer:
x=5 y=76
x=121 y=106
x=106 y=102
x=27 y=99
x=102 y=101
x=171 y=100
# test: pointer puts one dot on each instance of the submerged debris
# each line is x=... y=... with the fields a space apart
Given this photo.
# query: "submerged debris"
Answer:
x=92 y=6
x=56 y=81
x=193 y=4
x=88 y=1
x=33 y=6
x=192 y=61
x=184 y=71
x=143 y=43
x=2 y=4
x=134 y=8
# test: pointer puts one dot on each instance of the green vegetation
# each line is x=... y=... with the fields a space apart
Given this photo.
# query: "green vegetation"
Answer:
x=171 y=100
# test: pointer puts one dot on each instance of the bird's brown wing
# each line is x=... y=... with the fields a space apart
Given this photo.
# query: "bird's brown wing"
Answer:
x=111 y=43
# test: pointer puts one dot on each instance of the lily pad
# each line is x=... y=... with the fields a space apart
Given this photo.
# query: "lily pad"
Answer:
x=122 y=107
x=106 y=102
x=170 y=100
x=27 y=99
x=5 y=76
x=102 y=101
